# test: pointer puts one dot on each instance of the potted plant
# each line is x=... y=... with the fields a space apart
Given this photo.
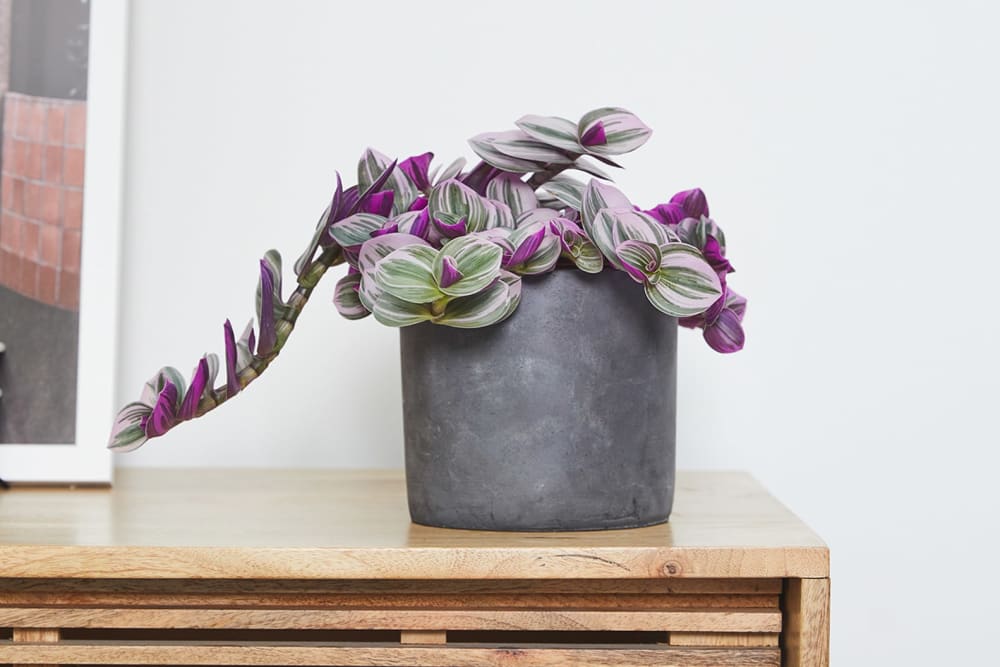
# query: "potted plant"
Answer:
x=537 y=314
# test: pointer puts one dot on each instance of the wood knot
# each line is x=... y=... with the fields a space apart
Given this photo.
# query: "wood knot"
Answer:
x=671 y=568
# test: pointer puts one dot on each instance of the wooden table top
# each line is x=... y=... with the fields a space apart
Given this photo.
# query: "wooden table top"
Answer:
x=339 y=524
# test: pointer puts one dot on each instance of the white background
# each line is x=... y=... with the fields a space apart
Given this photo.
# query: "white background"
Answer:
x=850 y=151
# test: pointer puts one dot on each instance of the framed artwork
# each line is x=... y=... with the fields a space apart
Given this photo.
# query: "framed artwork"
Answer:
x=62 y=80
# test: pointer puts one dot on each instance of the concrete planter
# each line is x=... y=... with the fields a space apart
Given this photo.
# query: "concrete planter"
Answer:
x=560 y=418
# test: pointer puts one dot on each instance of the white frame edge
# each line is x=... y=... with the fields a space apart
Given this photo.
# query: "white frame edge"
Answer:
x=89 y=460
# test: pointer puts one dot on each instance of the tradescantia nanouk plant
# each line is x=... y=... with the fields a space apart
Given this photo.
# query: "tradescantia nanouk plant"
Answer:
x=450 y=246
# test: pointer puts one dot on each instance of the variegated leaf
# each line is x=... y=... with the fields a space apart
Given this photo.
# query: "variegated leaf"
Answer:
x=245 y=347
x=587 y=257
x=566 y=190
x=624 y=132
x=371 y=165
x=356 y=229
x=544 y=257
x=686 y=284
x=500 y=215
x=272 y=260
x=517 y=144
x=487 y=307
x=513 y=282
x=127 y=433
x=536 y=215
x=371 y=253
x=696 y=232
x=640 y=259
x=477 y=260
x=482 y=144
x=601 y=232
x=545 y=200
x=347 y=299
x=576 y=246
x=552 y=130
x=456 y=201
x=151 y=390
x=395 y=312
x=408 y=274
x=599 y=195
x=451 y=171
x=584 y=164
x=636 y=225
x=307 y=255
x=511 y=190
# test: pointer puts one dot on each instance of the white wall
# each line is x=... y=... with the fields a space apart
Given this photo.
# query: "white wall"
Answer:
x=849 y=150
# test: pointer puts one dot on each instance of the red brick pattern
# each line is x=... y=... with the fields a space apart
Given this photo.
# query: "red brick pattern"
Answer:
x=41 y=198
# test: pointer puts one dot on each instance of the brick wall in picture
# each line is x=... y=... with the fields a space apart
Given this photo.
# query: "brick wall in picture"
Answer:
x=41 y=198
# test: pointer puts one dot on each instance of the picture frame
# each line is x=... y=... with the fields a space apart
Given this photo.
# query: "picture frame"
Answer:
x=87 y=460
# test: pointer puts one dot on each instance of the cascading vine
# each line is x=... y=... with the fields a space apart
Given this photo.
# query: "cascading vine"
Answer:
x=450 y=247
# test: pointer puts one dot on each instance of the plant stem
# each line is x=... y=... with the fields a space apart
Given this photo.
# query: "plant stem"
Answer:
x=307 y=282
x=540 y=178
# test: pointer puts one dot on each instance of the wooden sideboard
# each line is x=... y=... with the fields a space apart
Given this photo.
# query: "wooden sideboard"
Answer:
x=319 y=567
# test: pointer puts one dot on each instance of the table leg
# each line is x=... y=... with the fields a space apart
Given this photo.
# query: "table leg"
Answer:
x=806 y=632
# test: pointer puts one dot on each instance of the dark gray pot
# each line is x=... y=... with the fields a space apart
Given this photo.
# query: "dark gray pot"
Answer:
x=560 y=418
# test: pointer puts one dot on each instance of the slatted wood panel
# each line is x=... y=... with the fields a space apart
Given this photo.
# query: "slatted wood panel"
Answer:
x=497 y=623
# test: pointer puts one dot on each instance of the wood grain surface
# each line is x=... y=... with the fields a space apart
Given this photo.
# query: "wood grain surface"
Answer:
x=330 y=524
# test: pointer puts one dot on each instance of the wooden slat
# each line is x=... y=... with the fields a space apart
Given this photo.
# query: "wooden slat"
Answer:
x=723 y=639
x=387 y=656
x=205 y=524
x=754 y=620
x=633 y=601
x=50 y=635
x=34 y=636
x=423 y=637
x=806 y=641
x=727 y=586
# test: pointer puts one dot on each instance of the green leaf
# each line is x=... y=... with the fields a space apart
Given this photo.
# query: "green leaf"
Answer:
x=686 y=284
x=395 y=312
x=370 y=167
x=477 y=260
x=407 y=273
x=356 y=229
x=623 y=130
x=346 y=297
x=566 y=190
x=514 y=192
x=490 y=306
x=552 y=130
